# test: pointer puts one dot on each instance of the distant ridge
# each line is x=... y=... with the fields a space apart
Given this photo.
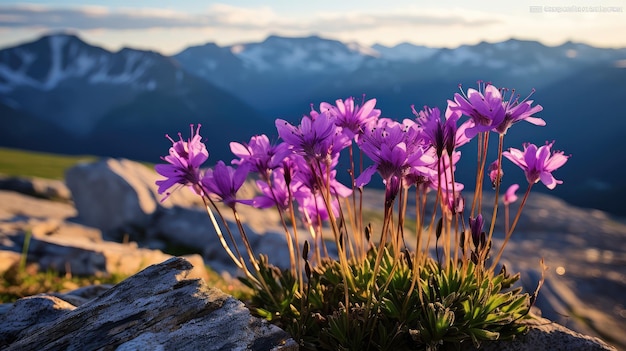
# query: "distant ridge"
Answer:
x=60 y=94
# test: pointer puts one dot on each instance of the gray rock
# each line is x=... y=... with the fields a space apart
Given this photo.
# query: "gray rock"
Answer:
x=114 y=193
x=8 y=259
x=15 y=206
x=158 y=308
x=88 y=258
x=544 y=334
x=84 y=294
x=183 y=226
x=193 y=228
x=30 y=312
x=68 y=247
x=120 y=196
x=39 y=187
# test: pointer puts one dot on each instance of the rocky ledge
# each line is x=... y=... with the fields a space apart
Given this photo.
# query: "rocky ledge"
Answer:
x=109 y=220
x=160 y=308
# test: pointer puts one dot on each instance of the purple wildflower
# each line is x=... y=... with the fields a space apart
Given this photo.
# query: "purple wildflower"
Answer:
x=483 y=106
x=538 y=163
x=353 y=119
x=476 y=229
x=441 y=135
x=184 y=161
x=311 y=177
x=509 y=196
x=314 y=208
x=260 y=154
x=443 y=170
x=316 y=138
x=277 y=194
x=516 y=111
x=454 y=202
x=461 y=137
x=395 y=149
x=495 y=173
x=224 y=182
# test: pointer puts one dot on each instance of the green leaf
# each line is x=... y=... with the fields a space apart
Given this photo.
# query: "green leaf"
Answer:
x=482 y=334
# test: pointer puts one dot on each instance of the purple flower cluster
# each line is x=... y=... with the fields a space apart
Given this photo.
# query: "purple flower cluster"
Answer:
x=184 y=161
x=538 y=163
x=301 y=168
x=489 y=111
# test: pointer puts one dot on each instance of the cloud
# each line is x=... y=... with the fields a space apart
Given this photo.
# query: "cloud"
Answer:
x=222 y=16
x=365 y=21
x=95 y=17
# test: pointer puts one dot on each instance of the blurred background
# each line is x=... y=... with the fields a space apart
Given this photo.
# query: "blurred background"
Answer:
x=111 y=78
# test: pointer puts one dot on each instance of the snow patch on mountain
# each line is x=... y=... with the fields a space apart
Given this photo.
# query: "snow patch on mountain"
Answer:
x=70 y=59
x=405 y=52
x=311 y=54
x=462 y=55
x=55 y=74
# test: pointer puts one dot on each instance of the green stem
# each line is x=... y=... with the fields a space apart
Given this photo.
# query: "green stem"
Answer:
x=24 y=256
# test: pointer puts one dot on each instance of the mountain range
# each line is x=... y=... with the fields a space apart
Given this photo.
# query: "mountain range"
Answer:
x=61 y=94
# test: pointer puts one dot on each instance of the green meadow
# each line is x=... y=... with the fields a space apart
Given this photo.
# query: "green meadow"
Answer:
x=14 y=162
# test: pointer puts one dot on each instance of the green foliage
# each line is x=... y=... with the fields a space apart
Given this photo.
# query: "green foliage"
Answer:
x=25 y=280
x=37 y=164
x=21 y=163
x=17 y=282
x=444 y=308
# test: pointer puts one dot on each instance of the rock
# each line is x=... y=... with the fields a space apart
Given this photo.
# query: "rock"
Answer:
x=158 y=308
x=82 y=257
x=8 y=259
x=562 y=304
x=114 y=193
x=185 y=227
x=544 y=334
x=30 y=312
x=15 y=206
x=193 y=228
x=82 y=295
x=51 y=189
x=68 y=247
x=120 y=197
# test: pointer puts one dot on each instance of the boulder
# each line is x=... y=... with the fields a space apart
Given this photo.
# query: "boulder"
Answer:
x=114 y=193
x=193 y=228
x=544 y=334
x=15 y=207
x=51 y=189
x=73 y=248
x=156 y=309
x=8 y=259
x=161 y=308
x=120 y=197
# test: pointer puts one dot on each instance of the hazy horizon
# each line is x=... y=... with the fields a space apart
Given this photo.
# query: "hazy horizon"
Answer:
x=168 y=27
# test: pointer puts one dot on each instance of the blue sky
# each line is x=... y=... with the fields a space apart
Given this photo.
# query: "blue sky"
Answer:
x=170 y=26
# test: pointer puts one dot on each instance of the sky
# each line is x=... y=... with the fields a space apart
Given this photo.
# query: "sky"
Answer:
x=171 y=26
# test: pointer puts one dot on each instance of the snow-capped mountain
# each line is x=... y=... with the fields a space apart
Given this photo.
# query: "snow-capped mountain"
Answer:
x=266 y=74
x=306 y=55
x=49 y=62
x=406 y=52
x=61 y=94
x=310 y=55
x=523 y=58
x=279 y=69
x=62 y=79
x=100 y=97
